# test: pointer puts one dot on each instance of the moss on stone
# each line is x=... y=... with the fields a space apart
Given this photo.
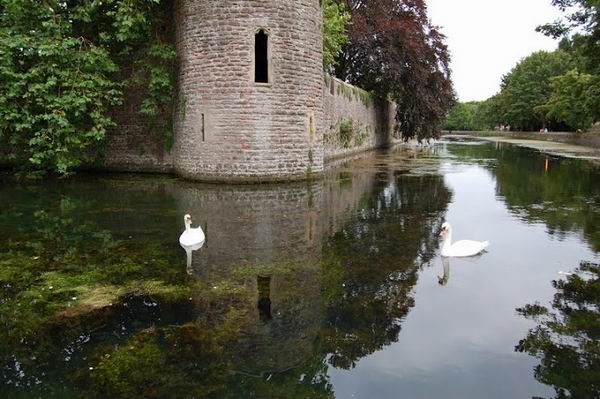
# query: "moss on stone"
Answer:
x=346 y=133
x=345 y=90
x=360 y=138
x=363 y=96
x=327 y=78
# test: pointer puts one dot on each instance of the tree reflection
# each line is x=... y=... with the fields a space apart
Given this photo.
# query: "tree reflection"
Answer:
x=273 y=331
x=370 y=267
x=561 y=193
x=303 y=278
x=567 y=337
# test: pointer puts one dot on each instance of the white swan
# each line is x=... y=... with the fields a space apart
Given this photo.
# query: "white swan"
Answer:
x=459 y=248
x=191 y=237
x=191 y=240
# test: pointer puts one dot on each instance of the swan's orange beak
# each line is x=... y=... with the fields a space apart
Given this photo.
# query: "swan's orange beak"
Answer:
x=442 y=232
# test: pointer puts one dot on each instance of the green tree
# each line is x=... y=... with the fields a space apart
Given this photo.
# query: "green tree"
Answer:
x=463 y=116
x=583 y=17
x=490 y=113
x=582 y=100
x=62 y=69
x=592 y=101
x=458 y=118
x=575 y=45
x=476 y=115
x=571 y=100
x=528 y=85
x=335 y=22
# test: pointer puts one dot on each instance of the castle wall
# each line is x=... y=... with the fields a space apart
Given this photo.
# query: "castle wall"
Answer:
x=134 y=145
x=227 y=126
x=353 y=120
x=138 y=143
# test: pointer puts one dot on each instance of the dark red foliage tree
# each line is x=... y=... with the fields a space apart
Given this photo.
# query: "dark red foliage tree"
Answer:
x=395 y=51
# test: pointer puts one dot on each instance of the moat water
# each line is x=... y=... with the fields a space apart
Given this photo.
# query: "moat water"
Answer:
x=330 y=289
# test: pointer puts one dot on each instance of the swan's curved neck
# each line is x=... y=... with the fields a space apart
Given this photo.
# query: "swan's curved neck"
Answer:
x=188 y=225
x=447 y=240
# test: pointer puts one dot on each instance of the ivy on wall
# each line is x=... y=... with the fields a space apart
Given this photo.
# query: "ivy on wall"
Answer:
x=65 y=65
x=157 y=77
x=347 y=133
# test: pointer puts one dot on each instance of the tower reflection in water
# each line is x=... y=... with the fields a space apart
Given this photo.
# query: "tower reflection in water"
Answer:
x=291 y=280
x=326 y=260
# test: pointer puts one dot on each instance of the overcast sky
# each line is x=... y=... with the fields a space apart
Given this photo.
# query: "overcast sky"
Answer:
x=488 y=37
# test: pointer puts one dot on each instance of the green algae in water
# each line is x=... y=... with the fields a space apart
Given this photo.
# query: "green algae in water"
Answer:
x=294 y=280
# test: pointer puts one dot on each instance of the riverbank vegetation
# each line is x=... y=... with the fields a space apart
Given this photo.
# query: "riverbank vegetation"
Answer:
x=65 y=65
x=557 y=90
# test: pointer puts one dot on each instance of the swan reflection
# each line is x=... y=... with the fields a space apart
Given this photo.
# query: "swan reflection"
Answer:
x=443 y=280
x=188 y=251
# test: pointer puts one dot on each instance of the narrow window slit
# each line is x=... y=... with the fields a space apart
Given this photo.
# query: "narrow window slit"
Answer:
x=261 y=69
x=203 y=130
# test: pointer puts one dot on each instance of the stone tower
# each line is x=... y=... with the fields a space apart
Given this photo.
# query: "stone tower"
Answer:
x=250 y=90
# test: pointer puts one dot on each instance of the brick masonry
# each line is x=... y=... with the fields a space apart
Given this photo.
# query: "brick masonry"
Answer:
x=135 y=145
x=370 y=122
x=229 y=128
